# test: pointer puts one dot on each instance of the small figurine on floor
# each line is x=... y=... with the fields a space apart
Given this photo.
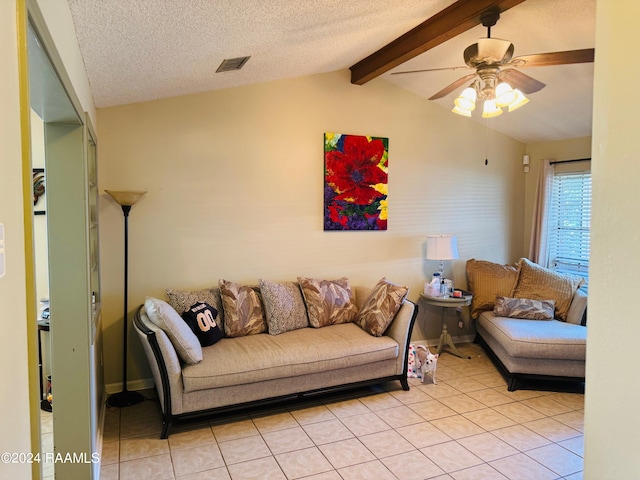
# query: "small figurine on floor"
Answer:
x=426 y=362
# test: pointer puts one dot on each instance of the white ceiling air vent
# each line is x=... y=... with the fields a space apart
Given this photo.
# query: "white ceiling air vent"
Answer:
x=230 y=64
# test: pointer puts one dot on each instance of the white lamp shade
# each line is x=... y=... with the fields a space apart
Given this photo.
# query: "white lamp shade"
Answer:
x=519 y=101
x=442 y=247
x=460 y=111
x=505 y=95
x=491 y=109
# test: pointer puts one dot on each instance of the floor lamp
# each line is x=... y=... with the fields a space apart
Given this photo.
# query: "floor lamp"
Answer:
x=125 y=398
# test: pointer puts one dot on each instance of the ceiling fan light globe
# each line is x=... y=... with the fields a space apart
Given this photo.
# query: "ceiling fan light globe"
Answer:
x=460 y=111
x=505 y=95
x=519 y=101
x=465 y=104
x=490 y=109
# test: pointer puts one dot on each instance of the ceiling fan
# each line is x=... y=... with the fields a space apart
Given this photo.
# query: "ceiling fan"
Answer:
x=496 y=79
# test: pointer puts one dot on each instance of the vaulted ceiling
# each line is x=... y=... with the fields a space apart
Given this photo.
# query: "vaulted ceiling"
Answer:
x=139 y=50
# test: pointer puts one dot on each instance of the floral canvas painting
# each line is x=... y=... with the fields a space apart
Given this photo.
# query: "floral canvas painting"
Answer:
x=355 y=182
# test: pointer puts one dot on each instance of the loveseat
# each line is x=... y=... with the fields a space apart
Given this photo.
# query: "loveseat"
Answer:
x=531 y=320
x=309 y=336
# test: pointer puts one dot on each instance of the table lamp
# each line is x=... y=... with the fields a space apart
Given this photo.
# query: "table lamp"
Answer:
x=442 y=247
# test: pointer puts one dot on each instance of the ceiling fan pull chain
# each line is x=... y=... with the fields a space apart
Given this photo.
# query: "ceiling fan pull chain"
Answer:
x=486 y=141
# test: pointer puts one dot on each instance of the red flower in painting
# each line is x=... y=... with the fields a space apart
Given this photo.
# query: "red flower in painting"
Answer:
x=352 y=171
x=336 y=217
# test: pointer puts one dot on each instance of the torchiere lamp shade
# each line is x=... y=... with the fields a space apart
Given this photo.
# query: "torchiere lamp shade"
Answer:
x=126 y=197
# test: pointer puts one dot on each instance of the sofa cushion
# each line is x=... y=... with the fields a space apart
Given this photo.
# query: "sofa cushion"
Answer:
x=183 y=339
x=284 y=306
x=487 y=280
x=201 y=318
x=539 y=283
x=380 y=307
x=242 y=310
x=328 y=302
x=536 y=339
x=304 y=351
x=524 y=308
x=182 y=300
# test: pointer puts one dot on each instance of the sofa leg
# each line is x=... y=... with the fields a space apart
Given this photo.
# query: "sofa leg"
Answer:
x=166 y=427
x=512 y=384
x=405 y=383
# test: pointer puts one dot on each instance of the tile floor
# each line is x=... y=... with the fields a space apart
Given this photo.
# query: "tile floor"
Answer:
x=468 y=426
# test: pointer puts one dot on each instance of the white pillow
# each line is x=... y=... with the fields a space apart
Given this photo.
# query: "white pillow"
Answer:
x=182 y=337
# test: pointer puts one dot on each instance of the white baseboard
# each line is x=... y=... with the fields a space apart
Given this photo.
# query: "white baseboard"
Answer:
x=433 y=342
x=134 y=385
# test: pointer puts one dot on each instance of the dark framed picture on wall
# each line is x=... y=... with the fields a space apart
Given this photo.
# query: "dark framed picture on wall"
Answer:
x=39 y=190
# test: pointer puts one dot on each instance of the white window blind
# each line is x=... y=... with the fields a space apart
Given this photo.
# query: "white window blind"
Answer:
x=570 y=224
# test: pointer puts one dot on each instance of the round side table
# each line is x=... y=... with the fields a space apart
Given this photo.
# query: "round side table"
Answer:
x=448 y=302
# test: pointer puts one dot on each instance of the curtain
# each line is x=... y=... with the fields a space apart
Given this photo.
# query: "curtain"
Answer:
x=539 y=247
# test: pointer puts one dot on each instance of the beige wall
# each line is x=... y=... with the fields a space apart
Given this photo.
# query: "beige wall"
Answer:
x=572 y=149
x=612 y=422
x=235 y=182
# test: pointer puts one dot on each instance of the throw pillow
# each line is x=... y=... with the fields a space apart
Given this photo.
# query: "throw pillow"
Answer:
x=328 y=302
x=283 y=305
x=487 y=280
x=242 y=310
x=182 y=300
x=201 y=318
x=539 y=283
x=183 y=339
x=524 y=308
x=380 y=307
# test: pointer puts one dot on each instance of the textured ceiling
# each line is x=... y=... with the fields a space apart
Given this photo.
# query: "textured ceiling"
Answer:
x=139 y=50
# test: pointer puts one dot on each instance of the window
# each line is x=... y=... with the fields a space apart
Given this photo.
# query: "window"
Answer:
x=570 y=223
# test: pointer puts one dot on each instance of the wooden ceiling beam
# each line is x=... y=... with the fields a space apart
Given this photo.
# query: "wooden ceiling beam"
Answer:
x=450 y=22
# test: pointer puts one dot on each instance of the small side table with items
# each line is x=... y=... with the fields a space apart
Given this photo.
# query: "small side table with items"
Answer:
x=448 y=302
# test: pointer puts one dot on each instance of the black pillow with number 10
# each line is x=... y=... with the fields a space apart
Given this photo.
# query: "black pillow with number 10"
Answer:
x=201 y=318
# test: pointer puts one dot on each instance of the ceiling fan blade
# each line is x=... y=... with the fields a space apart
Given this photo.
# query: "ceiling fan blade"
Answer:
x=520 y=80
x=448 y=23
x=585 y=55
x=452 y=86
x=430 y=70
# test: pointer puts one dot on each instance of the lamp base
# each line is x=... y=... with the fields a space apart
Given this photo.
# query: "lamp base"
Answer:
x=124 y=399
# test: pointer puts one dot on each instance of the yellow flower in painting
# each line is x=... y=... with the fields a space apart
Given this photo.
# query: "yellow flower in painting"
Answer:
x=383 y=188
x=331 y=140
x=383 y=209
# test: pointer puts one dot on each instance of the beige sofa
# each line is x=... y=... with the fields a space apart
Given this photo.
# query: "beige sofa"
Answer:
x=542 y=349
x=235 y=373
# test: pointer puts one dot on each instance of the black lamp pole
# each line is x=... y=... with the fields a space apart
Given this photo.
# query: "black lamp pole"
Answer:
x=125 y=398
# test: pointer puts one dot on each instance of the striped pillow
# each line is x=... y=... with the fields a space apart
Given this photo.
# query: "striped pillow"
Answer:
x=487 y=280
x=539 y=283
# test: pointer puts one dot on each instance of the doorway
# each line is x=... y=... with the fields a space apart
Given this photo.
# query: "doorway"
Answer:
x=66 y=267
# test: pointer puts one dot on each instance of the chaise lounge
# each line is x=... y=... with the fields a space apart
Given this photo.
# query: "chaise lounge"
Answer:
x=531 y=320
